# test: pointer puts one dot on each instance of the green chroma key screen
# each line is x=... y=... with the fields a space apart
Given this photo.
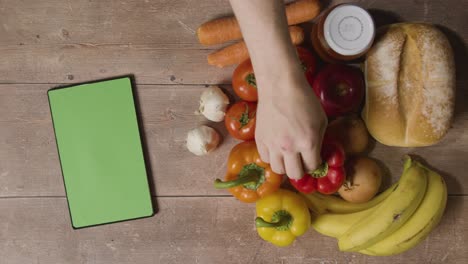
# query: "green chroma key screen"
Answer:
x=100 y=152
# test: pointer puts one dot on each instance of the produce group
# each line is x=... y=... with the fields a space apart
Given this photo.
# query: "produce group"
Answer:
x=403 y=98
x=391 y=223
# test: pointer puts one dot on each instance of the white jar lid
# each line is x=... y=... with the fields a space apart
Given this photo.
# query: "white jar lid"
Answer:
x=349 y=30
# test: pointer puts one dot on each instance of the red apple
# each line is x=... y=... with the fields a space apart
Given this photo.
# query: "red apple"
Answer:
x=340 y=89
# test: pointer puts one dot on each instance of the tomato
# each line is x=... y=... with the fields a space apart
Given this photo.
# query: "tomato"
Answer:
x=240 y=120
x=244 y=83
x=309 y=63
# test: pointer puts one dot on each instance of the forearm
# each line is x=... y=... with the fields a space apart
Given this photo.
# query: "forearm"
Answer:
x=264 y=28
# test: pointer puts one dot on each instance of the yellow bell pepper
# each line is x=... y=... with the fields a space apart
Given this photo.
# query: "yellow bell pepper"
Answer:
x=281 y=217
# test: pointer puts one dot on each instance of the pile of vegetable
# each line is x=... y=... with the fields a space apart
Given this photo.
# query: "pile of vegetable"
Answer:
x=287 y=208
x=249 y=179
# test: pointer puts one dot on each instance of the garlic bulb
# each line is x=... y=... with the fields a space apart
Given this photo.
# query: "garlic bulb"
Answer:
x=213 y=104
x=202 y=140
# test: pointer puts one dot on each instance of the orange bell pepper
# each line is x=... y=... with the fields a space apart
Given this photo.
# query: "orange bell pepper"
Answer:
x=248 y=178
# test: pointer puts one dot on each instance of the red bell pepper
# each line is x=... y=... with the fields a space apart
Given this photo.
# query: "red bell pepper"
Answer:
x=329 y=177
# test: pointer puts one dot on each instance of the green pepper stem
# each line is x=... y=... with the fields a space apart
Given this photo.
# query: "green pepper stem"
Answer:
x=321 y=171
x=281 y=221
x=219 y=184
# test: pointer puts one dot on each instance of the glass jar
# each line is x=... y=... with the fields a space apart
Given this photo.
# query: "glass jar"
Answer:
x=344 y=32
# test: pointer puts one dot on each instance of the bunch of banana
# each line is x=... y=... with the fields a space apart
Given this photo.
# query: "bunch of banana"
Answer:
x=391 y=223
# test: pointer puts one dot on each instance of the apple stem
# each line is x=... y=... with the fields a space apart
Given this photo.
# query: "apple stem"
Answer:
x=342 y=89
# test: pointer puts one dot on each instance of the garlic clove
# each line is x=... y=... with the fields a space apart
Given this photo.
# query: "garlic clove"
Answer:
x=213 y=104
x=202 y=140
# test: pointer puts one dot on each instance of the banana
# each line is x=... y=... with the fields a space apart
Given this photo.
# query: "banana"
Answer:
x=392 y=213
x=335 y=225
x=320 y=204
x=316 y=205
x=421 y=223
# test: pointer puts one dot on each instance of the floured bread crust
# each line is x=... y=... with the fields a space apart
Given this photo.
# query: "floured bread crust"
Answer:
x=410 y=82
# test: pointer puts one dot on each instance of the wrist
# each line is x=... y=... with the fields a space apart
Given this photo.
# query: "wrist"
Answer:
x=282 y=80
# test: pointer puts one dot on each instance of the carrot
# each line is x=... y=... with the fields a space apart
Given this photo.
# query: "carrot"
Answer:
x=219 y=31
x=302 y=11
x=225 y=29
x=237 y=53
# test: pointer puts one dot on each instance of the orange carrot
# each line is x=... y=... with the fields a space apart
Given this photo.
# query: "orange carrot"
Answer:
x=225 y=29
x=302 y=11
x=219 y=31
x=237 y=53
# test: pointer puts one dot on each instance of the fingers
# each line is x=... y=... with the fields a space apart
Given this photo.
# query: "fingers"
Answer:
x=293 y=165
x=290 y=162
x=311 y=159
x=277 y=163
x=263 y=151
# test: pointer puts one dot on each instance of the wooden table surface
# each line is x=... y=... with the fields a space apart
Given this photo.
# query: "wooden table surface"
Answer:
x=45 y=43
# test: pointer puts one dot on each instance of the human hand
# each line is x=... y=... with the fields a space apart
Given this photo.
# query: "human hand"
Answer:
x=290 y=124
x=290 y=120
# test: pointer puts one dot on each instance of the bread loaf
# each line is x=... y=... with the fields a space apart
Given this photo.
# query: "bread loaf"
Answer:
x=410 y=85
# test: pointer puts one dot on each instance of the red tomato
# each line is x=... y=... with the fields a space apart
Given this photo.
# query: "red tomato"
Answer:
x=240 y=120
x=309 y=63
x=244 y=83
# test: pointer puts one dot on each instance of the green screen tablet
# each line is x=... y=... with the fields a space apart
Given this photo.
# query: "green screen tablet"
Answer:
x=100 y=152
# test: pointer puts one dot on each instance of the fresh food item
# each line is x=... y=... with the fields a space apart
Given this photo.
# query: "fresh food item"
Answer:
x=238 y=52
x=240 y=120
x=301 y=11
x=363 y=179
x=248 y=178
x=244 y=83
x=345 y=32
x=319 y=203
x=410 y=77
x=224 y=29
x=340 y=89
x=391 y=214
x=421 y=223
x=213 y=104
x=351 y=132
x=202 y=140
x=281 y=217
x=330 y=176
x=335 y=224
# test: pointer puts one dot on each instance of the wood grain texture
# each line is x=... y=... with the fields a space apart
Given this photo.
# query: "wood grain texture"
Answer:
x=29 y=163
x=65 y=41
x=50 y=22
x=71 y=63
x=69 y=41
x=105 y=21
x=193 y=230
